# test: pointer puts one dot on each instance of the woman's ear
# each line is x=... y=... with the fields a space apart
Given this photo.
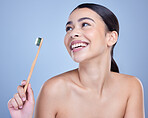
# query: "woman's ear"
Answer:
x=112 y=38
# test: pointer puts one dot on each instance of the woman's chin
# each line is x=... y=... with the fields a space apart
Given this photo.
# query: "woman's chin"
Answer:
x=79 y=56
x=78 y=59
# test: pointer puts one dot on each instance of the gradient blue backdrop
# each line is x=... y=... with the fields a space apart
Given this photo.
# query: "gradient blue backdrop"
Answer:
x=21 y=21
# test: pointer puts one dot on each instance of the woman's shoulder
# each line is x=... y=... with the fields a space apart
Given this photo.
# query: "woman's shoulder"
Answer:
x=127 y=78
x=52 y=94
x=58 y=84
x=132 y=87
x=129 y=82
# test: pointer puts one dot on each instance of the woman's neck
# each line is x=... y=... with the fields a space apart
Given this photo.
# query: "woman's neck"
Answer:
x=95 y=74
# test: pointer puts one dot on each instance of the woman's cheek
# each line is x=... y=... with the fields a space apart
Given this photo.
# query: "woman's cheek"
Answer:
x=90 y=34
x=66 y=42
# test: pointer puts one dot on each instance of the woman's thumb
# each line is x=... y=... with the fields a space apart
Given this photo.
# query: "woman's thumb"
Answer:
x=30 y=94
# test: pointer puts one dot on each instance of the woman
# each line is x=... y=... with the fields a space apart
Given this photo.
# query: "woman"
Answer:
x=95 y=89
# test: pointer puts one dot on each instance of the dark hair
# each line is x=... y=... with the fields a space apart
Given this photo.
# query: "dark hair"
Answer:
x=111 y=22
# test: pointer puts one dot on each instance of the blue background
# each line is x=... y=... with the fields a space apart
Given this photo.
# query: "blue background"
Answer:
x=22 y=21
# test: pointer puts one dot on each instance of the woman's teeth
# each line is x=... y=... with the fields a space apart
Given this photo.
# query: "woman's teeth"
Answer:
x=78 y=45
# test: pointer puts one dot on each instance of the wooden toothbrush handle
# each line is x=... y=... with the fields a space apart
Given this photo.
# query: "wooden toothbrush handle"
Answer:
x=32 y=67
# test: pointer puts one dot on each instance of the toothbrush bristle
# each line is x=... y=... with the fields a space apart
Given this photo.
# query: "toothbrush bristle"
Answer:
x=38 y=41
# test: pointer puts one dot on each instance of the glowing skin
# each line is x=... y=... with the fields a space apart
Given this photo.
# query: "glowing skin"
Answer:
x=85 y=27
x=92 y=90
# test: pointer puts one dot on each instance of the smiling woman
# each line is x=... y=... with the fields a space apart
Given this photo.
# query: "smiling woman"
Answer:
x=96 y=89
x=109 y=19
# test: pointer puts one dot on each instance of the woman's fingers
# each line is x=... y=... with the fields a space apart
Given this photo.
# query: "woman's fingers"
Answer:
x=18 y=100
x=21 y=92
x=23 y=82
x=22 y=100
x=12 y=104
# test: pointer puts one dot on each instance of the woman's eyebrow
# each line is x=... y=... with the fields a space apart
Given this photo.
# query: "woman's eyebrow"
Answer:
x=84 y=18
x=79 y=20
x=69 y=22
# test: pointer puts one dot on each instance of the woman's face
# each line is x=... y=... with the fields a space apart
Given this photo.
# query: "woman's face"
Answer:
x=85 y=35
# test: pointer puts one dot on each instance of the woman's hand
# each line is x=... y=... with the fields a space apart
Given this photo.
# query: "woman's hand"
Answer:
x=22 y=104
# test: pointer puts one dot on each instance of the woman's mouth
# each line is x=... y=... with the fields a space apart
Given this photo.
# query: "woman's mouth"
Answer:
x=77 y=45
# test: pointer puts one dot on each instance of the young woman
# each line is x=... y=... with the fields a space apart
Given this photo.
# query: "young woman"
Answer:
x=96 y=89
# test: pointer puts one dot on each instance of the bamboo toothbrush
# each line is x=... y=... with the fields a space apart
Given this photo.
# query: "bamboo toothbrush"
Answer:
x=38 y=42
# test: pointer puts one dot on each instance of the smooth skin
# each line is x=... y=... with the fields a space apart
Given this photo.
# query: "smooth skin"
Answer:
x=92 y=90
x=22 y=105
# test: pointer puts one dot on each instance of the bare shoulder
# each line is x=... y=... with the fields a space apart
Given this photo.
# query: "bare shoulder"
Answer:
x=131 y=83
x=132 y=87
x=52 y=94
x=58 y=85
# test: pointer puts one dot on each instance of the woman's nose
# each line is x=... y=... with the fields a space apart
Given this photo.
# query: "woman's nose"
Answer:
x=75 y=34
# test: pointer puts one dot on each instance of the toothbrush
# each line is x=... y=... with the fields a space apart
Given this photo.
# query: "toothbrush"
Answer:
x=38 y=42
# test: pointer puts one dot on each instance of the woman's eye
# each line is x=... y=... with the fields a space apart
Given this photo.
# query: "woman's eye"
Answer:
x=85 y=24
x=68 y=28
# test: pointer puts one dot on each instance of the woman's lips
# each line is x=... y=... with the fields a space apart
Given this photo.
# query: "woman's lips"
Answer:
x=76 y=42
x=77 y=49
